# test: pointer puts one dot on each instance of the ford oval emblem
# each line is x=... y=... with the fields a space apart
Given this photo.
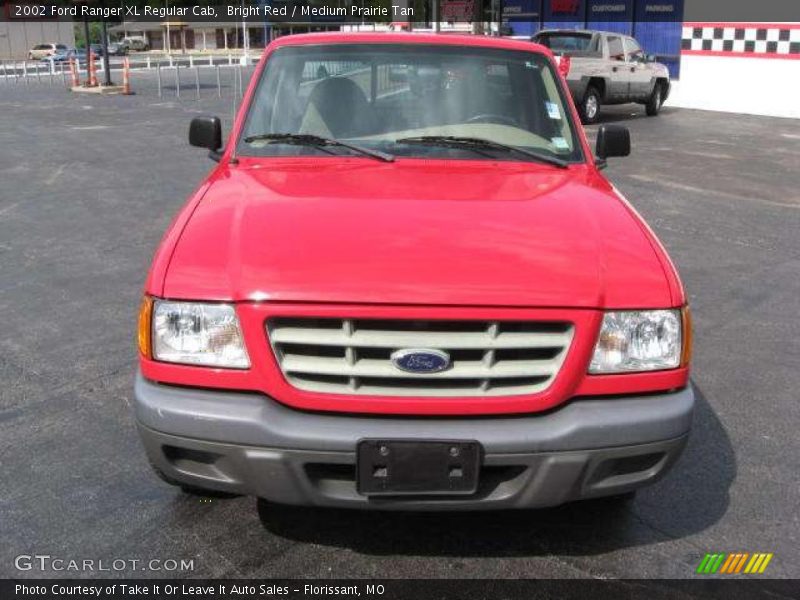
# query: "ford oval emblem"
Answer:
x=420 y=360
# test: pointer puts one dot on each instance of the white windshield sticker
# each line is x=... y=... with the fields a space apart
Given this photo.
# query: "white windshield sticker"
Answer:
x=560 y=143
x=552 y=110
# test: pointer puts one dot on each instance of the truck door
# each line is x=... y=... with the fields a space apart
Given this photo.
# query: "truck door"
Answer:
x=618 y=69
x=640 y=73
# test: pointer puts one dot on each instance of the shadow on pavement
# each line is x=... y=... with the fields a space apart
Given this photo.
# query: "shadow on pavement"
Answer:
x=628 y=112
x=690 y=499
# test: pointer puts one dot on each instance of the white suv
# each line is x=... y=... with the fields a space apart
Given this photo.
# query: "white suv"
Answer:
x=138 y=44
x=40 y=51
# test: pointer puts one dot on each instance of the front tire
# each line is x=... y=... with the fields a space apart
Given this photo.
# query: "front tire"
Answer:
x=590 y=106
x=653 y=105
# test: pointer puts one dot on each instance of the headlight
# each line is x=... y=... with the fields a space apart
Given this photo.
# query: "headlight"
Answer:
x=198 y=334
x=646 y=340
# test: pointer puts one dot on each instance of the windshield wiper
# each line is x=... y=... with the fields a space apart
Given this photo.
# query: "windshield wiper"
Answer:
x=480 y=143
x=304 y=139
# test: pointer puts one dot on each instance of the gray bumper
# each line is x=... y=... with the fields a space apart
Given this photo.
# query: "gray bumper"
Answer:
x=248 y=443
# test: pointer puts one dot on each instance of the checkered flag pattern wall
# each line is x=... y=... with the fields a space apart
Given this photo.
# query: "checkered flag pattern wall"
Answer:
x=742 y=39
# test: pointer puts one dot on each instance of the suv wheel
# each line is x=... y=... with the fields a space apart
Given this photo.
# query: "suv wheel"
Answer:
x=654 y=103
x=590 y=105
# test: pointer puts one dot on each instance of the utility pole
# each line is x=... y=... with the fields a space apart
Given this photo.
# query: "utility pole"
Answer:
x=78 y=3
x=104 y=44
x=88 y=49
x=168 y=45
x=244 y=32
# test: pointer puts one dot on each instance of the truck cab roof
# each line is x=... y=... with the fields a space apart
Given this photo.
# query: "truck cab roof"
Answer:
x=476 y=41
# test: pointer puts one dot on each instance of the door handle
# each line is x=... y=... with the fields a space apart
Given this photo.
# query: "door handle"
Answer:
x=615 y=69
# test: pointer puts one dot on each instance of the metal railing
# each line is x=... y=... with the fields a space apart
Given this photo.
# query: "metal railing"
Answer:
x=27 y=71
x=188 y=76
x=184 y=82
x=181 y=77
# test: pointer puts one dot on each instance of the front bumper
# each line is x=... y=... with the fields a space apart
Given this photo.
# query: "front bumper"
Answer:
x=250 y=444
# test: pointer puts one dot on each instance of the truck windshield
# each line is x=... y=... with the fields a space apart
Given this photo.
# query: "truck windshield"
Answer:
x=567 y=43
x=402 y=99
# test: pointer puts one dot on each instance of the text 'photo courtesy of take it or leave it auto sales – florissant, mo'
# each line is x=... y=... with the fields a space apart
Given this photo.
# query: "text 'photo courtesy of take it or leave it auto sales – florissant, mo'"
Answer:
x=501 y=290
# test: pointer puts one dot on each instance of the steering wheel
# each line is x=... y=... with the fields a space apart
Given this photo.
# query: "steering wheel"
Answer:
x=492 y=118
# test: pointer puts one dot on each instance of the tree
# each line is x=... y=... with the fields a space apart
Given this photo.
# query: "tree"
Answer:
x=95 y=34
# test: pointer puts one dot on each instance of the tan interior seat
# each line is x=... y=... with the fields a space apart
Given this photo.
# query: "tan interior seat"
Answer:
x=337 y=107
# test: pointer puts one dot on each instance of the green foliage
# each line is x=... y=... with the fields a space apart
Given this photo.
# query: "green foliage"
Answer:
x=95 y=34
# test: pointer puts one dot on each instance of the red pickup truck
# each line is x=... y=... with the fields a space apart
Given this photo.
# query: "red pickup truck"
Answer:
x=407 y=285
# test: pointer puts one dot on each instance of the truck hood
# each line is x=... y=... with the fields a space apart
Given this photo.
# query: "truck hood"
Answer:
x=478 y=233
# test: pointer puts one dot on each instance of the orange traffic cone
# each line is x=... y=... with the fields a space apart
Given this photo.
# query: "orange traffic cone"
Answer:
x=92 y=70
x=73 y=72
x=126 y=78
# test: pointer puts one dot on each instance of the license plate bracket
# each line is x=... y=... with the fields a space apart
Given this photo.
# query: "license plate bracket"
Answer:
x=417 y=467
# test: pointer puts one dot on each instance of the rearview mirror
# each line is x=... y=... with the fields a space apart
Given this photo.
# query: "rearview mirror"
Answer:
x=206 y=132
x=613 y=140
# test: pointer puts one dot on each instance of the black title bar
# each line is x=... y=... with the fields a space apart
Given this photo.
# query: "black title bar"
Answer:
x=332 y=12
x=392 y=589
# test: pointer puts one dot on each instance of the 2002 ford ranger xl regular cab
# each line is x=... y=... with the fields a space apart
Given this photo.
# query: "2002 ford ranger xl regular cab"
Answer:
x=407 y=285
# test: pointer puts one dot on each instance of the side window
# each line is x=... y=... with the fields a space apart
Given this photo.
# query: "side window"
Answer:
x=633 y=51
x=615 y=50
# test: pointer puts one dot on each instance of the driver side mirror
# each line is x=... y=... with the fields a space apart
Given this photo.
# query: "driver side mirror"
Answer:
x=612 y=140
x=206 y=132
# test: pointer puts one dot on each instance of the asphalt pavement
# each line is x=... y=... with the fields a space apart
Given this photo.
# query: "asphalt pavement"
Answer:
x=88 y=185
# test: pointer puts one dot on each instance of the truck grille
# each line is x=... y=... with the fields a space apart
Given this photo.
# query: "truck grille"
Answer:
x=353 y=356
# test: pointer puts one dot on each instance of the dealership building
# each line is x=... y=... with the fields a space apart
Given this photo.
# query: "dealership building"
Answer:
x=725 y=55
x=722 y=54
x=716 y=62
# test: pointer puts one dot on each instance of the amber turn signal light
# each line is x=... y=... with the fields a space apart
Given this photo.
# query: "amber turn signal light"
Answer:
x=686 y=321
x=145 y=318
